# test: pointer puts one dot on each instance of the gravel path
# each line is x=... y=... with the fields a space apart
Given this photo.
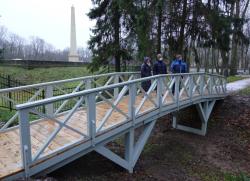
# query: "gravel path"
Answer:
x=238 y=85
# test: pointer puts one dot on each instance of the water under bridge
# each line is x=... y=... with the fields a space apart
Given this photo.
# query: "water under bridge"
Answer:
x=54 y=124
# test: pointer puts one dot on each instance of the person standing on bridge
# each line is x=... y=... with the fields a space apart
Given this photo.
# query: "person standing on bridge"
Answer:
x=146 y=71
x=159 y=66
x=178 y=65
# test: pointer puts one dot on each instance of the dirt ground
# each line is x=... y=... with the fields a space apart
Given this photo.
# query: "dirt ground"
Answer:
x=175 y=155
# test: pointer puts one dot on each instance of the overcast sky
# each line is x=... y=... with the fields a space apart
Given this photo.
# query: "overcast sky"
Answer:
x=47 y=19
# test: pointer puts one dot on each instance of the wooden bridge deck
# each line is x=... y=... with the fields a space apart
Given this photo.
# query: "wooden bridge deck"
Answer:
x=10 y=156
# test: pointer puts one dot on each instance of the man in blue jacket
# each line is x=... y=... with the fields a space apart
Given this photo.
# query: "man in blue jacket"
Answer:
x=159 y=66
x=178 y=65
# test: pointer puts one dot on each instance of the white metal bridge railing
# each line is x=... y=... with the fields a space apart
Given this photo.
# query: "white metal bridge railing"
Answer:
x=97 y=108
x=30 y=93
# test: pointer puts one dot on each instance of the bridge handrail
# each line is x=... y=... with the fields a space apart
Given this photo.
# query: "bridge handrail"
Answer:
x=10 y=97
x=38 y=85
x=99 y=89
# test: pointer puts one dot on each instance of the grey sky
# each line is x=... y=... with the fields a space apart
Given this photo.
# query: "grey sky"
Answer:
x=47 y=19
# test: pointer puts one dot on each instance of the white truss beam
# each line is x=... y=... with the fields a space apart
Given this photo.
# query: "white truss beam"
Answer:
x=204 y=110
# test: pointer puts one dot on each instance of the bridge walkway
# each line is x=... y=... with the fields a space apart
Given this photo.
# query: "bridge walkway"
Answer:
x=46 y=140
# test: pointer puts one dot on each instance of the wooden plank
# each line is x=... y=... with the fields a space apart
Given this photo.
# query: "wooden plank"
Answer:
x=70 y=134
x=10 y=158
x=39 y=139
x=62 y=138
x=44 y=132
x=8 y=149
x=77 y=117
x=79 y=122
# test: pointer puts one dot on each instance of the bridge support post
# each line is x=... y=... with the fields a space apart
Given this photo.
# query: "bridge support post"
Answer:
x=129 y=149
x=204 y=110
x=132 y=149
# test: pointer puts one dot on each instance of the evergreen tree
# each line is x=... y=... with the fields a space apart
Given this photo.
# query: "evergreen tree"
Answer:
x=195 y=29
x=108 y=42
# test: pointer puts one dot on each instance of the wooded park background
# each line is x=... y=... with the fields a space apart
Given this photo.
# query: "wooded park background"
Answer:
x=210 y=34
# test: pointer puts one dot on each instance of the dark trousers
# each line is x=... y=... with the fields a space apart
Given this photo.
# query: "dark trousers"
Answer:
x=173 y=88
x=146 y=85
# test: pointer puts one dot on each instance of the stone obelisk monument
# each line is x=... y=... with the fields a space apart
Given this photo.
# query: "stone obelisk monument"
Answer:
x=73 y=56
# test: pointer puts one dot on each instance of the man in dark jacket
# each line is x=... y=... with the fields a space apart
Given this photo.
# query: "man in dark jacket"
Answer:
x=146 y=72
x=159 y=66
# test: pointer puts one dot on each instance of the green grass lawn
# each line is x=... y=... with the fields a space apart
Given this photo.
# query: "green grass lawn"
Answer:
x=245 y=91
x=37 y=75
x=234 y=78
x=239 y=177
x=6 y=114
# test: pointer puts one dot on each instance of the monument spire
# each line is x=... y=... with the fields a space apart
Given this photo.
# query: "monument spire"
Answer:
x=73 y=56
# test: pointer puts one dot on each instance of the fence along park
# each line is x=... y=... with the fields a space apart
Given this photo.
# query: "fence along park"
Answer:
x=55 y=125
x=10 y=99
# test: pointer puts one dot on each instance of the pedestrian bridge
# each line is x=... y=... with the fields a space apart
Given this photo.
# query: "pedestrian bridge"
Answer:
x=64 y=124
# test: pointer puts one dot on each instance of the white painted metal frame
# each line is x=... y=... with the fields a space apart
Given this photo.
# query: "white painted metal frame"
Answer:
x=200 y=88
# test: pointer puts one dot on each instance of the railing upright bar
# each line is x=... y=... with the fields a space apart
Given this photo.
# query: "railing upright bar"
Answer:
x=91 y=117
x=191 y=87
x=49 y=93
x=177 y=89
x=132 y=98
x=116 y=90
x=202 y=83
x=25 y=140
x=159 y=92
x=210 y=84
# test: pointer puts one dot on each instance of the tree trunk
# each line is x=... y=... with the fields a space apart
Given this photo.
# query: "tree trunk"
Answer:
x=234 y=55
x=206 y=59
x=117 y=40
x=159 y=27
x=217 y=62
x=182 y=30
x=224 y=67
x=246 y=58
x=196 y=59
x=186 y=58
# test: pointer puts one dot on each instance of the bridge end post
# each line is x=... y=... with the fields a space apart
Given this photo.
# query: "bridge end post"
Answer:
x=25 y=141
x=91 y=117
